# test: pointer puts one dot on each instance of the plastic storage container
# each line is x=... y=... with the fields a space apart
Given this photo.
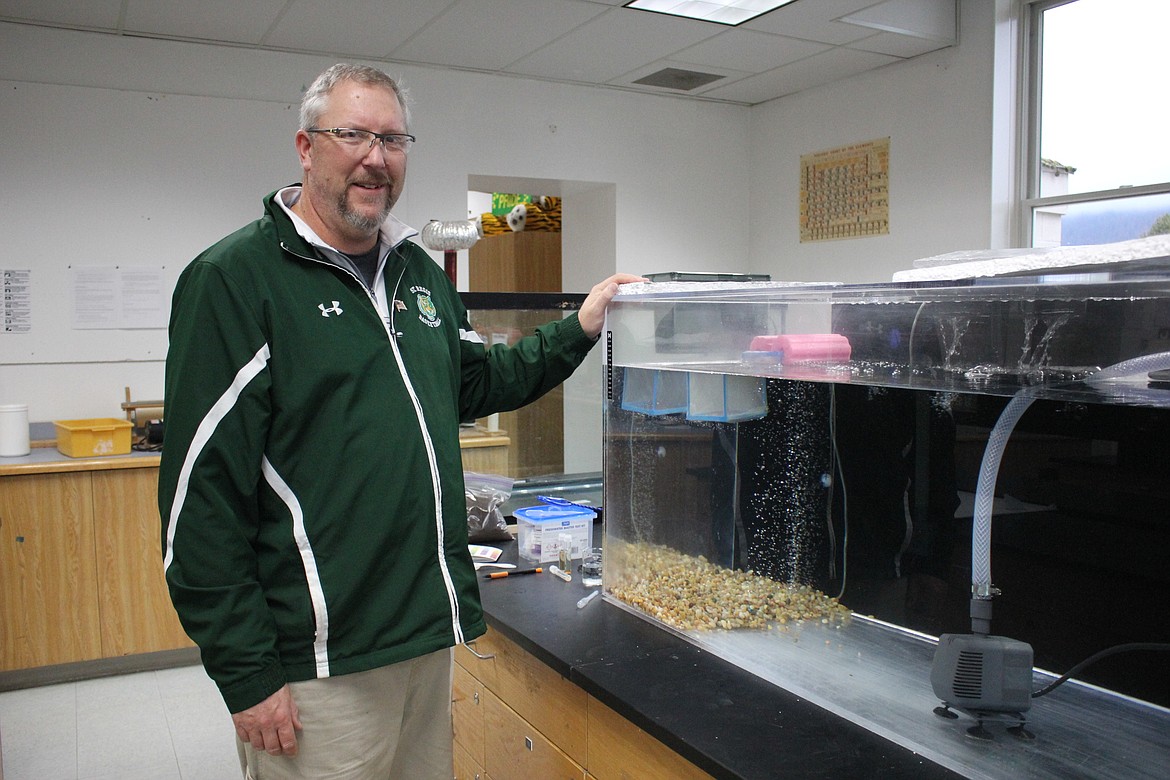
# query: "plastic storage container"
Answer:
x=539 y=529
x=93 y=437
x=14 y=430
x=654 y=392
x=725 y=397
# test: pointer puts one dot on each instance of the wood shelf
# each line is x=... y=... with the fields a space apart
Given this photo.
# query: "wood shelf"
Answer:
x=528 y=261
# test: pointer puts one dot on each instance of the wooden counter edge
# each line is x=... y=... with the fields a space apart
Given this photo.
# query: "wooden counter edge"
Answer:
x=67 y=464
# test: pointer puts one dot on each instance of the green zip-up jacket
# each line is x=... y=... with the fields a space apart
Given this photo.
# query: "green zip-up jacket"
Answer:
x=311 y=487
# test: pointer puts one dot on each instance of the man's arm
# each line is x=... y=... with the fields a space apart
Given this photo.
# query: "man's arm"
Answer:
x=501 y=378
x=217 y=413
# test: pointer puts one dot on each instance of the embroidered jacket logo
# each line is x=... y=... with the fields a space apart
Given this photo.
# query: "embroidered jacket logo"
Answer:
x=334 y=309
x=427 y=313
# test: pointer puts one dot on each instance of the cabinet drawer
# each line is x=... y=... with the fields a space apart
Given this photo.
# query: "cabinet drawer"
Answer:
x=619 y=750
x=515 y=750
x=466 y=767
x=553 y=705
x=467 y=713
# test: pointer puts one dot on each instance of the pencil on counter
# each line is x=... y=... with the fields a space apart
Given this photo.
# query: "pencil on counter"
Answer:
x=495 y=575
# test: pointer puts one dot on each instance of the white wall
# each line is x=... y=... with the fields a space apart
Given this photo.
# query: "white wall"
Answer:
x=147 y=151
x=938 y=111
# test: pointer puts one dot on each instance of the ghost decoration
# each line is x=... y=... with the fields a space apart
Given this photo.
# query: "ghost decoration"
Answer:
x=518 y=218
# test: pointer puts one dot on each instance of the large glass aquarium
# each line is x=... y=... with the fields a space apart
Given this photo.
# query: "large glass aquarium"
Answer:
x=816 y=482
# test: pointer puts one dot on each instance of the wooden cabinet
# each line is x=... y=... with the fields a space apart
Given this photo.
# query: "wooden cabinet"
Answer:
x=135 y=607
x=48 y=576
x=515 y=750
x=517 y=718
x=467 y=719
x=528 y=261
x=81 y=568
x=618 y=749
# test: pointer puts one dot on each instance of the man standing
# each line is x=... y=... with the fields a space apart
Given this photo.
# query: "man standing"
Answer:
x=314 y=524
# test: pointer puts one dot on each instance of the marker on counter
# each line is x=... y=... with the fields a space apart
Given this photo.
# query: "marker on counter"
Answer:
x=495 y=575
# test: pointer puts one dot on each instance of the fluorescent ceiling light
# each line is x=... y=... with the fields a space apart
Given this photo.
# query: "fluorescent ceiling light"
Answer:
x=720 y=11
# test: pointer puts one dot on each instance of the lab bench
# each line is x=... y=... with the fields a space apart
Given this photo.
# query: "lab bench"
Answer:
x=628 y=684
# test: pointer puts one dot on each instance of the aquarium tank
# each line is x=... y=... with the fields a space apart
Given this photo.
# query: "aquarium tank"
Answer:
x=817 y=481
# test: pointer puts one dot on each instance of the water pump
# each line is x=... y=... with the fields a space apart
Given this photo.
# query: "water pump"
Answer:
x=990 y=677
x=986 y=677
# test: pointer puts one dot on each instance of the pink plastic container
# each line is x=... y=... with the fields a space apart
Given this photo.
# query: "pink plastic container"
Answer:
x=804 y=346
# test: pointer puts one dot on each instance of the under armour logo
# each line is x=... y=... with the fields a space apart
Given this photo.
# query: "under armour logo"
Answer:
x=334 y=309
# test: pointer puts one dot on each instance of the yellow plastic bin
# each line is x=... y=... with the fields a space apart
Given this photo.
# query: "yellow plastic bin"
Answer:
x=90 y=438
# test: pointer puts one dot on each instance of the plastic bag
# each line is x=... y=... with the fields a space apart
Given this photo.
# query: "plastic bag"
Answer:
x=485 y=493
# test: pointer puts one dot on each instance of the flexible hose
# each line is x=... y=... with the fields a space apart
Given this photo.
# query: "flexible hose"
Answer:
x=989 y=469
x=985 y=490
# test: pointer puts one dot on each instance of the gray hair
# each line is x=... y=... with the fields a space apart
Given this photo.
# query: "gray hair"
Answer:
x=315 y=100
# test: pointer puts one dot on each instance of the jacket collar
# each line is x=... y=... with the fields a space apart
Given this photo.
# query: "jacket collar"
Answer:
x=293 y=230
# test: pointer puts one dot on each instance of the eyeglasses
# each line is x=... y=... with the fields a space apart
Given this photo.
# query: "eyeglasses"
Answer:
x=353 y=139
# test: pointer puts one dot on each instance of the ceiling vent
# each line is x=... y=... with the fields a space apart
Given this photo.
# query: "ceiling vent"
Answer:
x=677 y=78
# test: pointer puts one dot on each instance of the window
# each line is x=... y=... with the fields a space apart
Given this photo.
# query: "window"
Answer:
x=1098 y=163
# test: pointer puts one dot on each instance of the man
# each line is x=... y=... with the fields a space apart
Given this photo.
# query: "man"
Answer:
x=314 y=524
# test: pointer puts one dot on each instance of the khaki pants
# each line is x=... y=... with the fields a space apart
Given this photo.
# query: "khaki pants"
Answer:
x=384 y=724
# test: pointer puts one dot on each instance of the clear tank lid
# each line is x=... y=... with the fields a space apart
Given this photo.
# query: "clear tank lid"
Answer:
x=1052 y=334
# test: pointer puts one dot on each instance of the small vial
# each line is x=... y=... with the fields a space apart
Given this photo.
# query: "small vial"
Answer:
x=565 y=551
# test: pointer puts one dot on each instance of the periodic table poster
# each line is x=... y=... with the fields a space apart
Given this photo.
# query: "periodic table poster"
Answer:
x=844 y=192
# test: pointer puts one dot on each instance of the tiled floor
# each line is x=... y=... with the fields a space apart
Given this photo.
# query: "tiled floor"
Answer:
x=161 y=725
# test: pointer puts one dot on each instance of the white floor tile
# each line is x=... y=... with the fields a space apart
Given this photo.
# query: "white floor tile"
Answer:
x=125 y=737
x=40 y=732
x=165 y=725
x=97 y=696
x=202 y=734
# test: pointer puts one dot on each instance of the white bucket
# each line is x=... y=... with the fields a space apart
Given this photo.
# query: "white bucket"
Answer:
x=13 y=430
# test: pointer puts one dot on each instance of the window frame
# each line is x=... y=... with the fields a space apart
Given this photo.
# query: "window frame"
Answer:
x=1031 y=75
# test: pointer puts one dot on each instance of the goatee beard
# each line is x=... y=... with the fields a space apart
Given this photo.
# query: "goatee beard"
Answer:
x=359 y=221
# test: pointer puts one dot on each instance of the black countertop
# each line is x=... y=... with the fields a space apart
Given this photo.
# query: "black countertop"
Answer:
x=720 y=717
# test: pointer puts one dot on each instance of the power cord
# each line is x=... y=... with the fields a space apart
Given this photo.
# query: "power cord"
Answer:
x=142 y=445
x=1097 y=657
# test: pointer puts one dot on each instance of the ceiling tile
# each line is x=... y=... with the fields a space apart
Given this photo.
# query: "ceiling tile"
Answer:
x=813 y=20
x=364 y=28
x=933 y=19
x=491 y=34
x=811 y=72
x=746 y=50
x=905 y=46
x=615 y=43
x=213 y=20
x=101 y=14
